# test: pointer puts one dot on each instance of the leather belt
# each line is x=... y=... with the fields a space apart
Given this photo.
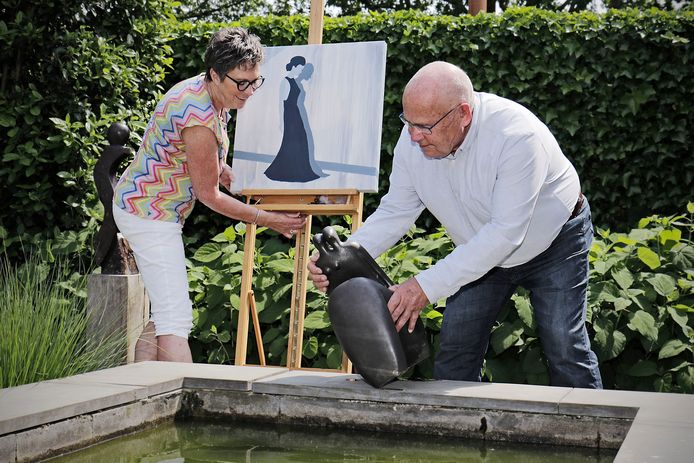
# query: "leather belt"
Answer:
x=578 y=207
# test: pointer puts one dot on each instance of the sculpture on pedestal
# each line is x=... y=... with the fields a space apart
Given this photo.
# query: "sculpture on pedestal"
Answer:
x=111 y=251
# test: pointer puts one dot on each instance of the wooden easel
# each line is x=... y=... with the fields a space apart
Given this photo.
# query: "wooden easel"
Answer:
x=306 y=202
x=309 y=202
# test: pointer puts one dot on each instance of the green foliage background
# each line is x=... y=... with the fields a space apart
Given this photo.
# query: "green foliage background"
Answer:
x=614 y=88
x=68 y=70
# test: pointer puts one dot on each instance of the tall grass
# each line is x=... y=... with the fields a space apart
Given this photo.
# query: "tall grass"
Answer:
x=43 y=326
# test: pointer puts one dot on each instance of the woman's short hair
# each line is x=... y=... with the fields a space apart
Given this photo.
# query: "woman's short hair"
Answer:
x=232 y=48
x=296 y=61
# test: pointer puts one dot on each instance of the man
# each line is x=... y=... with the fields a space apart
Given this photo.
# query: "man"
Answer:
x=494 y=176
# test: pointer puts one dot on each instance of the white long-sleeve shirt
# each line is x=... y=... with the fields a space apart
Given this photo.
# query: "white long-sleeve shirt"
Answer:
x=503 y=196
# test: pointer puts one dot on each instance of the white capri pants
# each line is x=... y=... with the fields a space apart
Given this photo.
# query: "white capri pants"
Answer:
x=158 y=249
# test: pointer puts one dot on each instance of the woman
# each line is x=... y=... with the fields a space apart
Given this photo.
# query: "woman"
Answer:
x=294 y=161
x=183 y=158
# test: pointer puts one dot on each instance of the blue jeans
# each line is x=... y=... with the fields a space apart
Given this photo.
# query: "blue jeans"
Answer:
x=557 y=280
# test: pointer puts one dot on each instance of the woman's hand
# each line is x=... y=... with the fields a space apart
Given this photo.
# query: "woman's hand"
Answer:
x=226 y=177
x=286 y=223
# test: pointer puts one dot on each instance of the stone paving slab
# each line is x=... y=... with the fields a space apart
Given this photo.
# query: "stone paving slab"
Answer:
x=658 y=407
x=161 y=377
x=662 y=429
x=153 y=379
x=537 y=399
x=49 y=401
x=35 y=404
x=658 y=443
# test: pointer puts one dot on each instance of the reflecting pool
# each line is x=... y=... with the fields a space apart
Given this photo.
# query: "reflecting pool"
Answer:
x=207 y=442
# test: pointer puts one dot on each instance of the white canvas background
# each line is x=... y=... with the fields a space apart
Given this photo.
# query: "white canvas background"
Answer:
x=344 y=106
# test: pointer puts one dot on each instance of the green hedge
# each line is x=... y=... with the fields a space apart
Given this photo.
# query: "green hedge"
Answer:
x=615 y=89
x=70 y=69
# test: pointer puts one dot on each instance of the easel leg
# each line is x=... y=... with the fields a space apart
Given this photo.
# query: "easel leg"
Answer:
x=256 y=328
x=298 y=307
x=246 y=285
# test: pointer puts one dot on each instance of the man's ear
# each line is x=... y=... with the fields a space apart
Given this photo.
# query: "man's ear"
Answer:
x=467 y=113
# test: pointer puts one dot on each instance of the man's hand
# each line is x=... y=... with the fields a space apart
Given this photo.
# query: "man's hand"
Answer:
x=320 y=281
x=407 y=301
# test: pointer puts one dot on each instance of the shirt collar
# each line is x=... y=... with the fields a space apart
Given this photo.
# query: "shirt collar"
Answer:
x=472 y=131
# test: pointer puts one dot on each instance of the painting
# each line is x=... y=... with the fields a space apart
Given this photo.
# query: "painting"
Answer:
x=316 y=121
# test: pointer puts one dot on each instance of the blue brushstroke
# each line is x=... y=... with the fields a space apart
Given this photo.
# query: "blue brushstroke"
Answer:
x=333 y=166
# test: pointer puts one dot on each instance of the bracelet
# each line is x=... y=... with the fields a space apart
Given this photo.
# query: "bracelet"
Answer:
x=257 y=214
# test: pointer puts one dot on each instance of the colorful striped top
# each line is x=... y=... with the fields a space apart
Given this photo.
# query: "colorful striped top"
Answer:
x=157 y=185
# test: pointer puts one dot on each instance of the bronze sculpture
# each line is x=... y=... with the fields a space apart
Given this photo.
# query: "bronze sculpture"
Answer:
x=111 y=251
x=358 y=310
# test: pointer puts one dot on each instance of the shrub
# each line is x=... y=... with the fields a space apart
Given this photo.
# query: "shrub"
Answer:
x=640 y=306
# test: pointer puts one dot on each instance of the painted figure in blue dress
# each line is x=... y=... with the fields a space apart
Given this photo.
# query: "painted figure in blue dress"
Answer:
x=295 y=160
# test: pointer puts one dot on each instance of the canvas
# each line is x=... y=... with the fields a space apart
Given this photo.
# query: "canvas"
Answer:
x=316 y=121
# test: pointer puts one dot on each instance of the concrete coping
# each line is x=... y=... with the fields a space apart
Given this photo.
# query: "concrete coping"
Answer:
x=661 y=429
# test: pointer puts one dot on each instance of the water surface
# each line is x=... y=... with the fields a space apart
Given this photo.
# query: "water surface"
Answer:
x=208 y=442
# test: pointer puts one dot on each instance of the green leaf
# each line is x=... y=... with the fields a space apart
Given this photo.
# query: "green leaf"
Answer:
x=533 y=362
x=685 y=379
x=282 y=265
x=683 y=258
x=671 y=348
x=679 y=316
x=317 y=320
x=648 y=257
x=608 y=343
x=6 y=120
x=663 y=284
x=230 y=233
x=670 y=235
x=643 y=368
x=602 y=291
x=207 y=252
x=525 y=310
x=224 y=336
x=334 y=357
x=505 y=336
x=310 y=347
x=623 y=277
x=643 y=323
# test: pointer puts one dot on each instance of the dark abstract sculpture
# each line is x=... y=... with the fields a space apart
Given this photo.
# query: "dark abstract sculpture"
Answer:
x=342 y=261
x=358 y=310
x=111 y=251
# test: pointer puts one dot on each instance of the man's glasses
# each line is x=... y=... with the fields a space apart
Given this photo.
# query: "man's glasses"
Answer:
x=242 y=85
x=425 y=129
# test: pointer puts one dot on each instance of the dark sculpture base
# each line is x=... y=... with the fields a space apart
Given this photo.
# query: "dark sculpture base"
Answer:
x=358 y=310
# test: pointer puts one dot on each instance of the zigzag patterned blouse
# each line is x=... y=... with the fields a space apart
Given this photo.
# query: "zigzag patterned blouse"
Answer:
x=157 y=185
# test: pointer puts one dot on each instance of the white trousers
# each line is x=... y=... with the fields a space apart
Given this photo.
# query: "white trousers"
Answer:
x=158 y=249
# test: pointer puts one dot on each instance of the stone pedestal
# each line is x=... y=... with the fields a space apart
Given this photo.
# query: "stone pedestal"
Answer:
x=117 y=303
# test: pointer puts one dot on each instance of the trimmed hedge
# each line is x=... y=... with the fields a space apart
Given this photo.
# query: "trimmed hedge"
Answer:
x=615 y=89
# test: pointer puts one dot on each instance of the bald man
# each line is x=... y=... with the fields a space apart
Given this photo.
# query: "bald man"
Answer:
x=494 y=176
